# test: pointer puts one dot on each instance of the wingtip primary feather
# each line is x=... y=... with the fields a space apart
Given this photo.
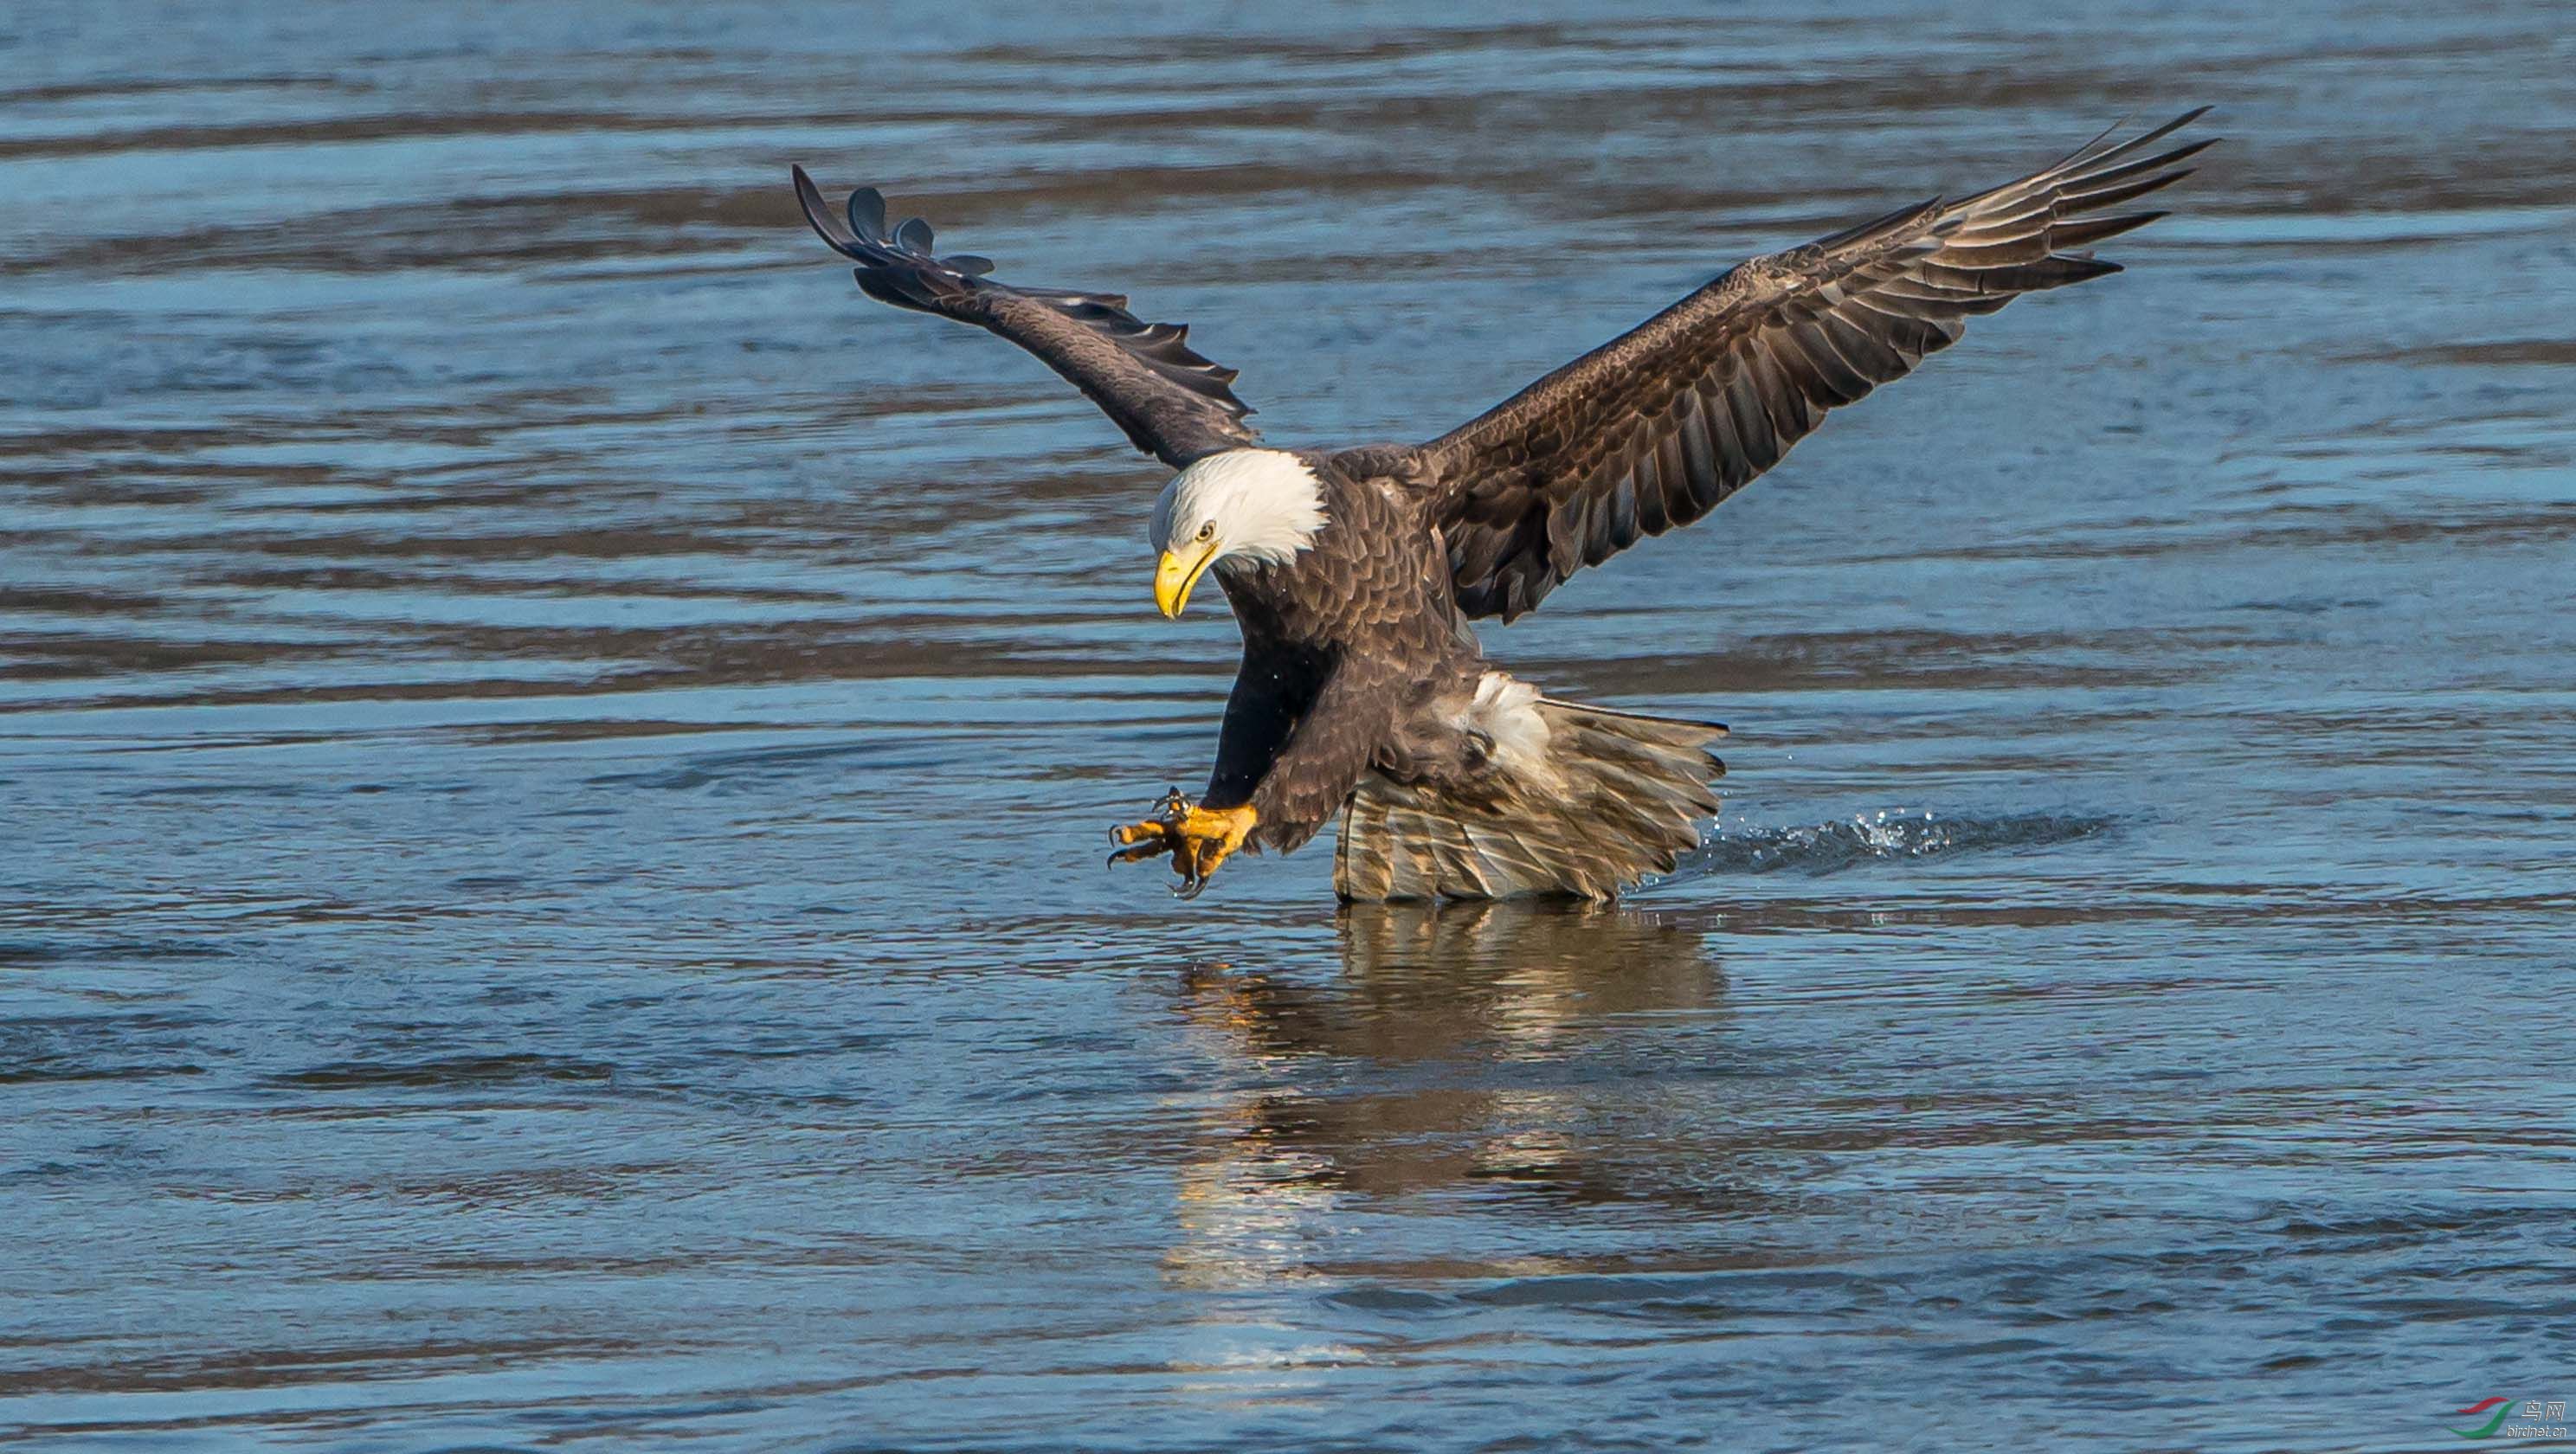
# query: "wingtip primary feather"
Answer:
x=822 y=217
x=867 y=213
x=2072 y=235
x=2144 y=139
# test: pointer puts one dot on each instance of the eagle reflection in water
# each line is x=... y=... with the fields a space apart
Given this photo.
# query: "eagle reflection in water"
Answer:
x=1473 y=1049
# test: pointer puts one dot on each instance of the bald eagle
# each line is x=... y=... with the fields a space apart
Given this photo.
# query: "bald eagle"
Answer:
x=1355 y=574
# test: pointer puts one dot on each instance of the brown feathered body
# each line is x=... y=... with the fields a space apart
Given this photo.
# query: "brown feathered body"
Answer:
x=1363 y=693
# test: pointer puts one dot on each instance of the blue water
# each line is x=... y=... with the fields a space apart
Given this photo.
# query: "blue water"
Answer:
x=554 y=759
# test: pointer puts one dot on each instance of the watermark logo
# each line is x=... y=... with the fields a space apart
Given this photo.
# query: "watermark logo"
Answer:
x=2530 y=1419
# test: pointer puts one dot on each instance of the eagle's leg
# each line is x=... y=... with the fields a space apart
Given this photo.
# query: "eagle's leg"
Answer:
x=1198 y=839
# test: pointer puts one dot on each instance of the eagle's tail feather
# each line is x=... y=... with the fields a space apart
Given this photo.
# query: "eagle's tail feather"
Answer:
x=1588 y=807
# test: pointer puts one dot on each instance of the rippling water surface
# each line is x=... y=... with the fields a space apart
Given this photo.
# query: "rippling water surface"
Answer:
x=554 y=758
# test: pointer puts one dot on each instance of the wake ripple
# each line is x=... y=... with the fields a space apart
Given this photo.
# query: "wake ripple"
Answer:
x=1871 y=837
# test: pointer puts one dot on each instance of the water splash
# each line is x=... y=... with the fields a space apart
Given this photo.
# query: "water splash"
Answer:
x=1893 y=833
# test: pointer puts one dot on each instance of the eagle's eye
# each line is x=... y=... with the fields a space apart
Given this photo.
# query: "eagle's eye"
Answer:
x=1208 y=531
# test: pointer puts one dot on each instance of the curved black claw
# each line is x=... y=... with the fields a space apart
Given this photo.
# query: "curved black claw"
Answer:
x=1141 y=849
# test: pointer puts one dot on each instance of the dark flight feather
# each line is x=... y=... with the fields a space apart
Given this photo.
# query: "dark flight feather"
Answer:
x=1171 y=402
x=1653 y=429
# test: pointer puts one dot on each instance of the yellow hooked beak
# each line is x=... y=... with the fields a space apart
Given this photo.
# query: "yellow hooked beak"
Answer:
x=1180 y=569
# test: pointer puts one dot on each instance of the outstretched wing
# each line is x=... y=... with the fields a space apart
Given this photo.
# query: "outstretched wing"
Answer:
x=1651 y=430
x=1173 y=404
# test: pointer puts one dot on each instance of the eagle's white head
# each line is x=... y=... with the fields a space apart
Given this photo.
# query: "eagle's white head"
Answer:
x=1257 y=506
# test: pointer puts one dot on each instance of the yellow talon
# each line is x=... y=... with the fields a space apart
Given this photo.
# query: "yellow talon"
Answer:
x=1198 y=839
